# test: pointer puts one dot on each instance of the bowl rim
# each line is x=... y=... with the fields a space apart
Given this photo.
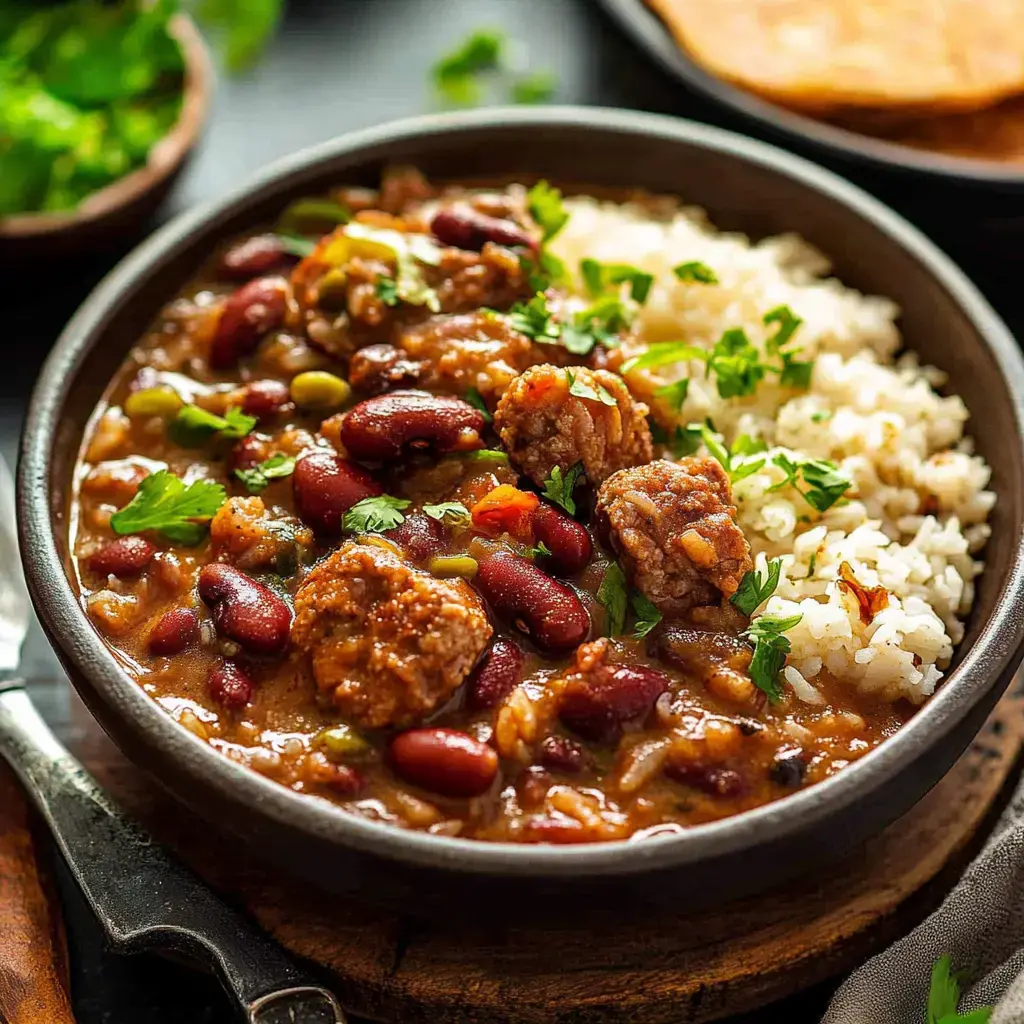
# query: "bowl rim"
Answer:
x=67 y=625
x=164 y=157
x=650 y=34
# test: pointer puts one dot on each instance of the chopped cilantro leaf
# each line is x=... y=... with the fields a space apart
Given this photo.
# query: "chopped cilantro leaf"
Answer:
x=795 y=373
x=545 y=205
x=674 y=394
x=371 y=515
x=662 y=352
x=387 y=290
x=454 y=510
x=695 y=271
x=787 y=322
x=738 y=460
x=558 y=487
x=755 y=589
x=736 y=364
x=476 y=400
x=534 y=319
x=597 y=324
x=611 y=595
x=163 y=503
x=581 y=389
x=826 y=482
x=598 y=277
x=944 y=998
x=193 y=425
x=647 y=616
x=537 y=87
x=821 y=416
x=456 y=74
x=682 y=441
x=258 y=477
x=771 y=646
x=540 y=550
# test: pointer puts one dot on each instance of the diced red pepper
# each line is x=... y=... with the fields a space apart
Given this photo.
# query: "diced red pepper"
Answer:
x=506 y=509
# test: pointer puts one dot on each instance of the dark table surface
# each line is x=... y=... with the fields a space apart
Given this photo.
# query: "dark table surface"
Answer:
x=337 y=65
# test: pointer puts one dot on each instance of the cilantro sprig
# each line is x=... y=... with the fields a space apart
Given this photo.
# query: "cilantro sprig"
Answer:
x=695 y=271
x=599 y=277
x=534 y=319
x=755 y=588
x=257 y=478
x=647 y=616
x=454 y=511
x=558 y=487
x=771 y=645
x=740 y=459
x=824 y=481
x=165 y=504
x=545 y=204
x=581 y=389
x=372 y=515
x=476 y=400
x=944 y=998
x=612 y=596
x=387 y=290
x=459 y=75
x=193 y=426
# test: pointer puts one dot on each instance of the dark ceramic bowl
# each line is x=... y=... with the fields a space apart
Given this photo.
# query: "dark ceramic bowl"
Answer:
x=745 y=186
x=902 y=171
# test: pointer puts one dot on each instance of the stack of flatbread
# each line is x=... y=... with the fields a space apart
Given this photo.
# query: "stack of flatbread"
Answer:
x=945 y=75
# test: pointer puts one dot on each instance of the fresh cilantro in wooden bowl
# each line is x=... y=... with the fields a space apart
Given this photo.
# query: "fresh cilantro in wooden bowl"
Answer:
x=100 y=106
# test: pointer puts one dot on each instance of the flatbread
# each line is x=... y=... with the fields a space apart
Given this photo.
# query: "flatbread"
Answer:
x=994 y=134
x=820 y=55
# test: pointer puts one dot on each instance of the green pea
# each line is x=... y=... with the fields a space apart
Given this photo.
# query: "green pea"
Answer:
x=340 y=742
x=318 y=389
x=454 y=565
x=153 y=402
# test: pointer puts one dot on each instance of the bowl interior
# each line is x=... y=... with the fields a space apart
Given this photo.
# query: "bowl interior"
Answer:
x=744 y=186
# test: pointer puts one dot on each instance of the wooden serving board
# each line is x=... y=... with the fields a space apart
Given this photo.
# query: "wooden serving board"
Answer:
x=663 y=968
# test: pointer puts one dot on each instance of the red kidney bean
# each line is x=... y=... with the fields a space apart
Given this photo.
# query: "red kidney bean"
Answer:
x=174 y=631
x=126 y=556
x=463 y=227
x=255 y=309
x=386 y=427
x=245 y=611
x=597 y=704
x=547 y=611
x=496 y=676
x=444 y=761
x=344 y=779
x=711 y=779
x=255 y=256
x=326 y=486
x=789 y=767
x=229 y=685
x=569 y=543
x=561 y=754
x=265 y=398
x=419 y=536
x=378 y=368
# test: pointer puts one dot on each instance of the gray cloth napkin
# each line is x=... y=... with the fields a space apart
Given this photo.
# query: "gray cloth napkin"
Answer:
x=980 y=925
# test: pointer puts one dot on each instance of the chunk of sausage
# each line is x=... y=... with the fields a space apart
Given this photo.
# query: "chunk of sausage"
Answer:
x=389 y=643
x=674 y=527
x=246 y=534
x=543 y=425
x=447 y=353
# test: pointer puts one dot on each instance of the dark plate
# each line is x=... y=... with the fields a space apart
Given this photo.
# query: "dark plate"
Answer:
x=822 y=141
x=745 y=186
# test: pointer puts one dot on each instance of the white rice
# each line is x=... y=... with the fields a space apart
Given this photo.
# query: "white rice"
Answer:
x=916 y=516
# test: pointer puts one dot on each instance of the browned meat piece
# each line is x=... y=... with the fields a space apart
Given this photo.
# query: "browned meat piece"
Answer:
x=246 y=534
x=674 y=526
x=464 y=281
x=389 y=643
x=543 y=425
x=447 y=353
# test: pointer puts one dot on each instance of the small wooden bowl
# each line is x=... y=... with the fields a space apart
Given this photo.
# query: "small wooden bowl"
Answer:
x=114 y=212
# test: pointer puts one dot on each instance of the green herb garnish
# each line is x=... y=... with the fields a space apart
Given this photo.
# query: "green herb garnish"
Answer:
x=825 y=481
x=647 y=616
x=558 y=487
x=674 y=394
x=453 y=510
x=457 y=74
x=476 y=400
x=193 y=426
x=662 y=352
x=296 y=245
x=682 y=441
x=755 y=589
x=242 y=26
x=581 y=389
x=258 y=478
x=165 y=504
x=611 y=595
x=944 y=998
x=736 y=364
x=770 y=649
x=738 y=460
x=540 y=550
x=534 y=319
x=372 y=515
x=599 y=277
x=695 y=271
x=537 y=87
x=545 y=205
x=387 y=290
